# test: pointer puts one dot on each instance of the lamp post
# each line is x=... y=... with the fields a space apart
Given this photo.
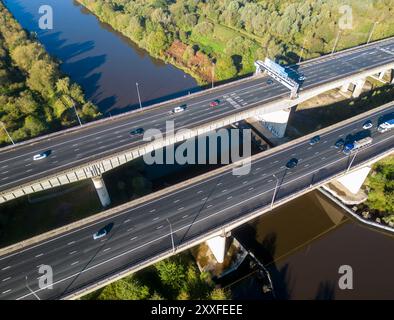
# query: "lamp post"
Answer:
x=172 y=236
x=351 y=162
x=276 y=188
x=5 y=129
x=372 y=30
x=31 y=291
x=76 y=113
x=302 y=50
x=336 y=42
x=213 y=74
x=138 y=93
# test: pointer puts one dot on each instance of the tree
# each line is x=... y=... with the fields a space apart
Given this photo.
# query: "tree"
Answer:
x=225 y=68
x=42 y=78
x=172 y=273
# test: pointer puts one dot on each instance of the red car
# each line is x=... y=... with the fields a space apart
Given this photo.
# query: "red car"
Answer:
x=214 y=103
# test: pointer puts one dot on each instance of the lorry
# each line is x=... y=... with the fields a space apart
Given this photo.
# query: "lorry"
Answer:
x=355 y=145
x=386 y=126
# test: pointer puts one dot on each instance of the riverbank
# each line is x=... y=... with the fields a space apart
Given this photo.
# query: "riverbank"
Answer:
x=35 y=96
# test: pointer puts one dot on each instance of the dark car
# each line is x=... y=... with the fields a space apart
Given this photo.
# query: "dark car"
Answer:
x=137 y=132
x=103 y=231
x=339 y=144
x=269 y=81
x=292 y=163
x=314 y=140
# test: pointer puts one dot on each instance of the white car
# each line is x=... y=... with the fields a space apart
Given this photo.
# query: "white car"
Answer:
x=40 y=156
x=367 y=125
x=179 y=109
x=301 y=78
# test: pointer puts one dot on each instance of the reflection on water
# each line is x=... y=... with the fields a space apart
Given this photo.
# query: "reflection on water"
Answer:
x=106 y=64
x=303 y=244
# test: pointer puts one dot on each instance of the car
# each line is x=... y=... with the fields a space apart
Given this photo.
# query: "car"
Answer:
x=137 y=132
x=103 y=231
x=314 y=140
x=292 y=163
x=301 y=78
x=368 y=125
x=41 y=155
x=179 y=109
x=339 y=144
x=215 y=103
x=269 y=81
x=100 y=234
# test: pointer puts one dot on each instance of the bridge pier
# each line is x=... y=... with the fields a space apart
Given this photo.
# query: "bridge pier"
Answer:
x=359 y=87
x=276 y=121
x=102 y=191
x=355 y=179
x=392 y=76
x=218 y=247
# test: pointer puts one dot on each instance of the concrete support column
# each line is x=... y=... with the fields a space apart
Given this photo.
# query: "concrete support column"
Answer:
x=102 y=191
x=345 y=87
x=218 y=247
x=359 y=88
x=392 y=76
x=276 y=122
x=381 y=75
x=355 y=179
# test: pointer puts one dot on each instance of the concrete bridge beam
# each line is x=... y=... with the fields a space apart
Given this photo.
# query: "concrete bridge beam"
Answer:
x=355 y=179
x=345 y=87
x=102 y=191
x=359 y=87
x=276 y=121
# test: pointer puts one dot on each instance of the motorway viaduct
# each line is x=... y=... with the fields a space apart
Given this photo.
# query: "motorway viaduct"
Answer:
x=89 y=151
x=204 y=208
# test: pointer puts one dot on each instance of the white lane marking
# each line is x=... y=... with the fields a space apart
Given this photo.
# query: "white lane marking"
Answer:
x=200 y=191
x=153 y=210
x=306 y=166
x=176 y=201
x=250 y=189
x=209 y=205
x=224 y=190
x=74 y=263
x=106 y=249
x=6 y=279
x=39 y=255
x=203 y=199
x=29 y=170
x=72 y=252
x=6 y=268
x=230 y=197
x=126 y=221
x=245 y=182
x=129 y=229
x=181 y=208
x=185 y=216
x=159 y=227
x=4 y=292
x=154 y=219
x=70 y=243
x=133 y=238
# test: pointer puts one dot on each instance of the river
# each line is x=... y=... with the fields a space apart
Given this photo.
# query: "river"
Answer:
x=106 y=64
x=306 y=240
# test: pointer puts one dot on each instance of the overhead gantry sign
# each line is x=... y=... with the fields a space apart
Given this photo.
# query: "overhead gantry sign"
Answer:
x=279 y=73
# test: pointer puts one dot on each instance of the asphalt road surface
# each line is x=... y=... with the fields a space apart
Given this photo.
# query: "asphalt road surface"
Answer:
x=94 y=142
x=142 y=232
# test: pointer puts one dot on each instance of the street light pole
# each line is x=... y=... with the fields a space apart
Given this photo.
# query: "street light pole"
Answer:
x=276 y=188
x=372 y=30
x=5 y=129
x=138 y=93
x=32 y=292
x=336 y=42
x=172 y=236
x=302 y=50
x=79 y=119
x=213 y=74
x=351 y=162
